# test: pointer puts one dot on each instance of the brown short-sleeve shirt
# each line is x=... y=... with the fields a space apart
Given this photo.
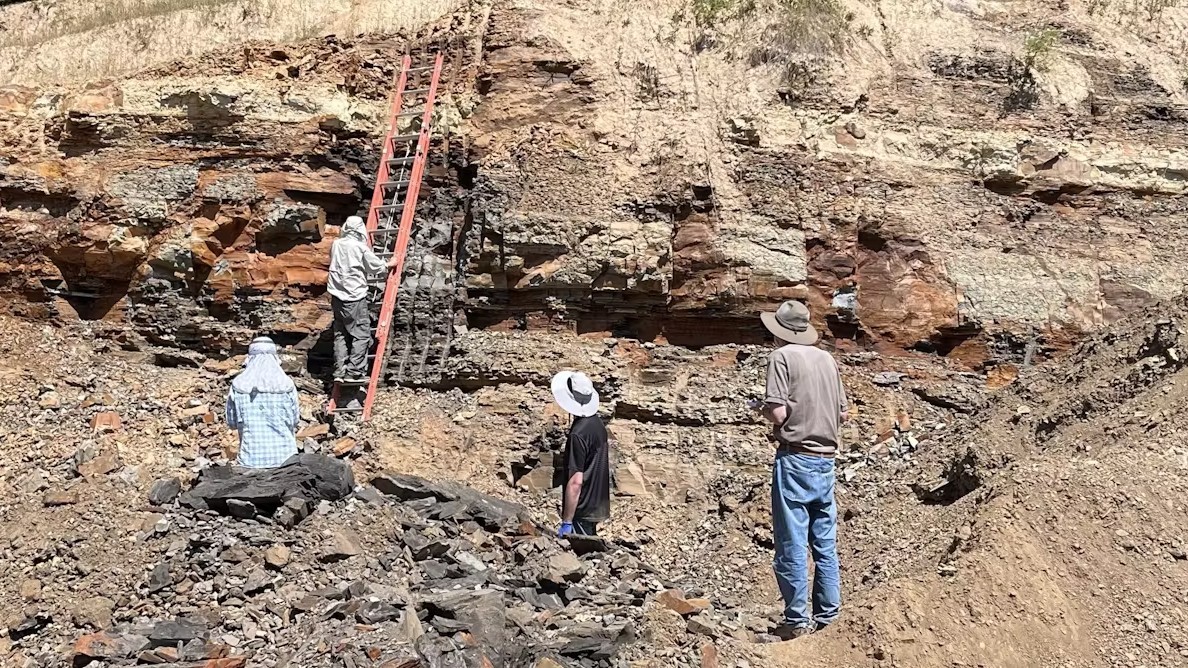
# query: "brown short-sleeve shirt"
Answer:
x=805 y=380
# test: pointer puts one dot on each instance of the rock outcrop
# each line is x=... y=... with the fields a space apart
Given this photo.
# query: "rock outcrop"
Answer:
x=972 y=195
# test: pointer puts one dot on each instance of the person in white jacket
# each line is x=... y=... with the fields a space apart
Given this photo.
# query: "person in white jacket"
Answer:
x=352 y=264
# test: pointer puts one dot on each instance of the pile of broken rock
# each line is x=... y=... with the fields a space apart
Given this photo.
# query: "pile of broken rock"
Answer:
x=402 y=572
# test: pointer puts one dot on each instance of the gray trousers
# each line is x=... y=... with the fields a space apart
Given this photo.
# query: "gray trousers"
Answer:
x=352 y=337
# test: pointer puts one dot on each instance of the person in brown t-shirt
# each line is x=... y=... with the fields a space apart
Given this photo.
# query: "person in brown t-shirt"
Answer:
x=806 y=403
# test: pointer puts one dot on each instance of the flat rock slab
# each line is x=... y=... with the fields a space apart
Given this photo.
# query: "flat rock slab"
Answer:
x=457 y=501
x=587 y=544
x=311 y=477
x=170 y=633
x=344 y=544
x=106 y=647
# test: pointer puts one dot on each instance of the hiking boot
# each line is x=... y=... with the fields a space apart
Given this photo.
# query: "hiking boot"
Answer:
x=788 y=632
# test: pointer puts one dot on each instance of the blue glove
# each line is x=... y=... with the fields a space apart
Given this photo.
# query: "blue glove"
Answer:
x=566 y=529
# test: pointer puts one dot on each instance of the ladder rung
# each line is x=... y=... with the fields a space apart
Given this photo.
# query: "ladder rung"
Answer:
x=409 y=114
x=397 y=139
x=395 y=184
x=402 y=161
x=389 y=207
x=385 y=230
x=416 y=91
x=344 y=383
x=344 y=409
x=419 y=69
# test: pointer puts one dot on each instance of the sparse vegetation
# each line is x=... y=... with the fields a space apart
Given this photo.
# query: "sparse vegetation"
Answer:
x=780 y=32
x=79 y=41
x=707 y=13
x=648 y=81
x=1023 y=87
x=1133 y=11
x=89 y=16
x=816 y=27
x=801 y=31
x=1037 y=47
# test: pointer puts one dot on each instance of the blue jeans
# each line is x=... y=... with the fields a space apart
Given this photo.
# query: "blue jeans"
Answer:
x=804 y=517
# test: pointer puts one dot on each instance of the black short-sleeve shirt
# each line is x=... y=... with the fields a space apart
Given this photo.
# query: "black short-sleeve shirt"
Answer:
x=586 y=450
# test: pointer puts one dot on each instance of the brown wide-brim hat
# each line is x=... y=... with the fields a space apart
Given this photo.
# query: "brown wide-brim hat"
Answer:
x=790 y=323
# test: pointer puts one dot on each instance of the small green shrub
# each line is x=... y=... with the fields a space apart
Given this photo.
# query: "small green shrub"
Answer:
x=1037 y=47
x=1023 y=89
x=708 y=13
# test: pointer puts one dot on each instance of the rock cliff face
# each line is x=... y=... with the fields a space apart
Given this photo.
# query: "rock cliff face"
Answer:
x=975 y=176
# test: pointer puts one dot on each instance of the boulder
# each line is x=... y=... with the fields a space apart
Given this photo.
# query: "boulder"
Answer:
x=105 y=463
x=481 y=612
x=160 y=577
x=106 y=421
x=307 y=477
x=164 y=490
x=703 y=624
x=258 y=580
x=94 y=612
x=31 y=589
x=344 y=544
x=565 y=567
x=60 y=497
x=674 y=599
x=277 y=556
x=582 y=545
x=376 y=612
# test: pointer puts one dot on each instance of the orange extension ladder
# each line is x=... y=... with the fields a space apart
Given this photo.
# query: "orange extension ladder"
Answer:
x=397 y=186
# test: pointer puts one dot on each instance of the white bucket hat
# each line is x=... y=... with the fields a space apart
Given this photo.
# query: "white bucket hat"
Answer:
x=575 y=393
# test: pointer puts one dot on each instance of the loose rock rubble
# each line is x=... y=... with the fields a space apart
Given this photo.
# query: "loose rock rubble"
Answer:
x=457 y=578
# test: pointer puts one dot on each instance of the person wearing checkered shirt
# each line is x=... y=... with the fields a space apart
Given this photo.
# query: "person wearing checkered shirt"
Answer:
x=262 y=406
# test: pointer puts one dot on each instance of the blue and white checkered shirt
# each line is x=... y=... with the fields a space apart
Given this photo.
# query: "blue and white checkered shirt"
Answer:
x=267 y=423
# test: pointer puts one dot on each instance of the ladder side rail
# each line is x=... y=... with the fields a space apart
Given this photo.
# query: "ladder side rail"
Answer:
x=377 y=194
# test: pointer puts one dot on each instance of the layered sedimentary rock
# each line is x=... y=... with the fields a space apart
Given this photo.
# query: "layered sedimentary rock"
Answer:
x=640 y=182
x=192 y=203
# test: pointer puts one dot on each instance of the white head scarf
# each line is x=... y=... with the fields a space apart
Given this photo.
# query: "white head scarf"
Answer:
x=262 y=372
x=354 y=227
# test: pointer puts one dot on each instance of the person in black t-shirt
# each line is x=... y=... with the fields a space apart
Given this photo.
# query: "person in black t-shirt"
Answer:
x=585 y=496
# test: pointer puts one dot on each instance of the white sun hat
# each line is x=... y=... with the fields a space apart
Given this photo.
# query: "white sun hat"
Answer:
x=574 y=392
